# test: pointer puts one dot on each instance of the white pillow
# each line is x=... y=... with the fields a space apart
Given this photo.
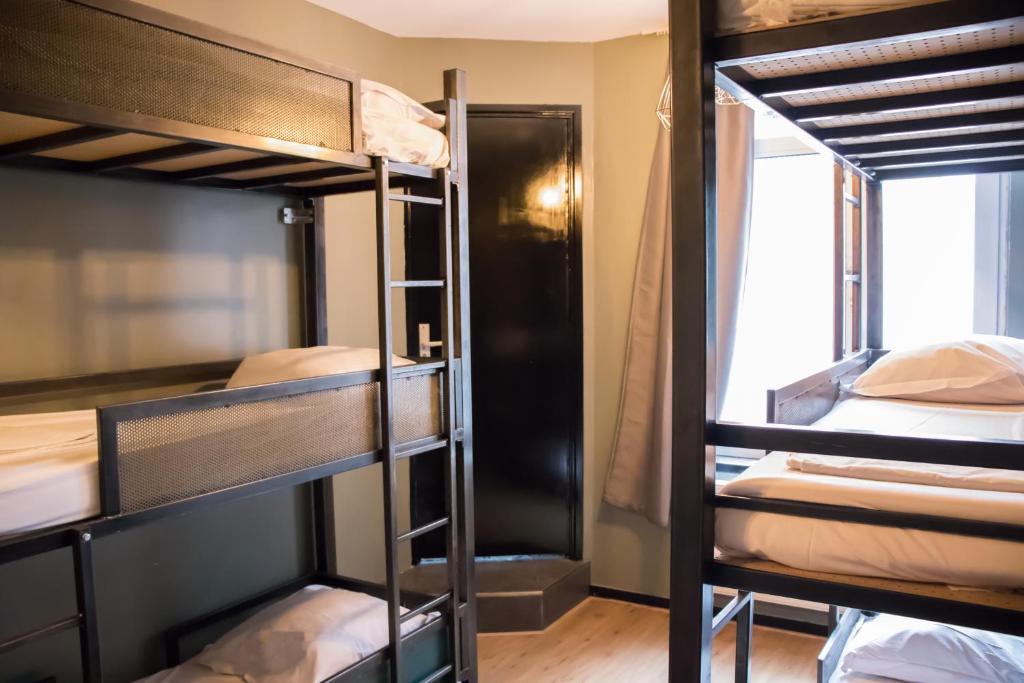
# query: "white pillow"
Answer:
x=315 y=361
x=925 y=652
x=381 y=100
x=309 y=636
x=404 y=140
x=983 y=369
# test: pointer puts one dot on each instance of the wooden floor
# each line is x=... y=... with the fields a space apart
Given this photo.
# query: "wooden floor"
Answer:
x=609 y=641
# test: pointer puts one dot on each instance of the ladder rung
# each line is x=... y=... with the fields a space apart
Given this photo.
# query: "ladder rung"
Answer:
x=425 y=529
x=419 y=368
x=417 y=283
x=416 y=448
x=416 y=170
x=438 y=675
x=42 y=632
x=415 y=199
x=426 y=607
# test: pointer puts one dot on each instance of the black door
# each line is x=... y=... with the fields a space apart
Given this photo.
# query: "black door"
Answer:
x=526 y=301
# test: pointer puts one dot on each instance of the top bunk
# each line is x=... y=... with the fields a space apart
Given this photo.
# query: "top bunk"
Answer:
x=926 y=88
x=113 y=88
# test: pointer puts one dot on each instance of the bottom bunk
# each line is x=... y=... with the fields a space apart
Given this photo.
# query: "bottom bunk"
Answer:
x=868 y=647
x=1001 y=610
x=320 y=628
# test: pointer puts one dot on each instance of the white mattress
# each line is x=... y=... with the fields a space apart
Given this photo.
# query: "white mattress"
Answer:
x=898 y=416
x=48 y=470
x=864 y=550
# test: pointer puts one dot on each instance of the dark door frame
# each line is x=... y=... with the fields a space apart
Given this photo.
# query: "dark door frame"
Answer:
x=572 y=114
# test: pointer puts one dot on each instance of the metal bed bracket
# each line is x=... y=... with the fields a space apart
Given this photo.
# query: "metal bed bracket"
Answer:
x=293 y=216
x=740 y=609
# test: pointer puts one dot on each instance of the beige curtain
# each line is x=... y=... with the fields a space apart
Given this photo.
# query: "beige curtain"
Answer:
x=639 y=478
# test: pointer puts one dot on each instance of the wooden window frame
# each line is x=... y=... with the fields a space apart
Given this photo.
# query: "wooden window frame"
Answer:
x=848 y=263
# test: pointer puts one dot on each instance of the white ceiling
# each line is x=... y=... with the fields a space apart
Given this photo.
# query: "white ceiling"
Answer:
x=545 y=20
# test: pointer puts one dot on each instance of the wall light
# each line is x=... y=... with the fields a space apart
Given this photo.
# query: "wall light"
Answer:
x=550 y=197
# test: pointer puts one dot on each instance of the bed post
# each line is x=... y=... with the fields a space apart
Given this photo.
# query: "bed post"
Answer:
x=694 y=403
x=873 y=267
x=455 y=95
x=314 y=333
x=88 y=629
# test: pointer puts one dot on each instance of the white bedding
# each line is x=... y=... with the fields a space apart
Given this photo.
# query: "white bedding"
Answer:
x=751 y=15
x=49 y=473
x=400 y=128
x=190 y=672
x=48 y=470
x=887 y=647
x=846 y=548
x=310 y=635
x=923 y=419
x=839 y=676
x=405 y=141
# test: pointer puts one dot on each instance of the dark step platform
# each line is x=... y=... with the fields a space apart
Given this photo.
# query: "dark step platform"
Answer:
x=513 y=595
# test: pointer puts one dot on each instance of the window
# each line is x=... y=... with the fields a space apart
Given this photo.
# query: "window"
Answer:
x=928 y=261
x=803 y=301
x=784 y=330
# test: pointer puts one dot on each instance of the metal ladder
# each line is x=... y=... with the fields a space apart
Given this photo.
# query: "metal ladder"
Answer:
x=449 y=601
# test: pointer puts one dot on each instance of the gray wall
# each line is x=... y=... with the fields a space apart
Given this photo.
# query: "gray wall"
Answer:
x=100 y=274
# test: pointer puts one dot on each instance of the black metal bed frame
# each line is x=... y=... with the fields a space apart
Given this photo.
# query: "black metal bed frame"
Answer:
x=352 y=171
x=699 y=59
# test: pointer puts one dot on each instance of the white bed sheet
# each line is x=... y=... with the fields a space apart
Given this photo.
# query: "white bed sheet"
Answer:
x=48 y=470
x=190 y=672
x=405 y=141
x=307 y=636
x=858 y=549
x=853 y=677
x=398 y=127
x=900 y=416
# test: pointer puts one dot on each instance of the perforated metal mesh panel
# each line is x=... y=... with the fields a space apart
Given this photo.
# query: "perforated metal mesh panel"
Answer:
x=68 y=52
x=168 y=458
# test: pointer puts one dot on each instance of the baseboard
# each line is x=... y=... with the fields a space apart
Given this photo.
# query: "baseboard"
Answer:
x=793 y=619
x=627 y=596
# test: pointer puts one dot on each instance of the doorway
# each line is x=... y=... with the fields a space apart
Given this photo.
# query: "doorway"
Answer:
x=525 y=210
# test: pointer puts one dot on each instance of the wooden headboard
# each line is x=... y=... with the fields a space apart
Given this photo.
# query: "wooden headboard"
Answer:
x=807 y=400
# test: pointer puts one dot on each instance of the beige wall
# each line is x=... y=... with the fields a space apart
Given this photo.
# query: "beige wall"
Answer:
x=617 y=83
x=627 y=552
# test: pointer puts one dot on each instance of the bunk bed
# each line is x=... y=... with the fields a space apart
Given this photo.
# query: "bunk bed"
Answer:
x=917 y=90
x=115 y=89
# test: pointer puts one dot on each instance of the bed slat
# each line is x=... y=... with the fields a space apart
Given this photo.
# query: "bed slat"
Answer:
x=929 y=67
